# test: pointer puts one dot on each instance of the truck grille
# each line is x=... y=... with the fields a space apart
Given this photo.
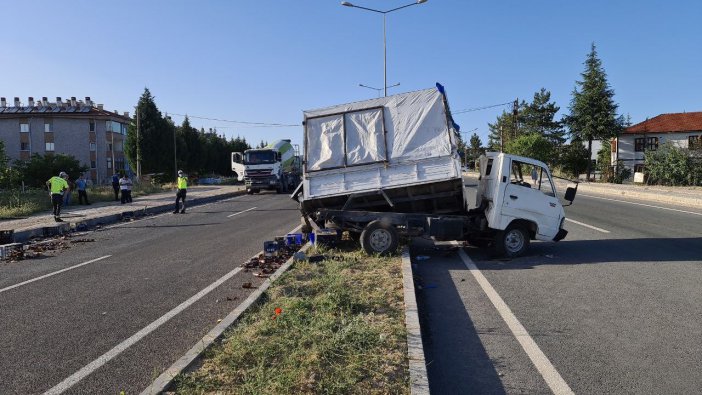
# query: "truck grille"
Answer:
x=259 y=173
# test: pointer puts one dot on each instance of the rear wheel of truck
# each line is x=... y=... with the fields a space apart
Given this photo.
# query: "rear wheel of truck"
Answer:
x=379 y=238
x=512 y=242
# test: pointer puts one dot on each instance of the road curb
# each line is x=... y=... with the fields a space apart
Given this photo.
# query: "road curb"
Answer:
x=128 y=212
x=163 y=381
x=419 y=381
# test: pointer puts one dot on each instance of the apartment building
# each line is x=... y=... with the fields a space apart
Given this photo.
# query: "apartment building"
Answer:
x=79 y=128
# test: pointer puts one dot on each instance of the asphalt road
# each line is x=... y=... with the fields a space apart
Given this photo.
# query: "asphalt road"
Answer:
x=615 y=308
x=54 y=327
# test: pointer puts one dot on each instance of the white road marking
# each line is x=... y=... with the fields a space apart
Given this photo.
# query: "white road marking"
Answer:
x=587 y=226
x=115 y=351
x=243 y=211
x=538 y=358
x=645 y=205
x=53 y=273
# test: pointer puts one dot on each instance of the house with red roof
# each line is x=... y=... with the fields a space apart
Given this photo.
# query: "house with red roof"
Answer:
x=683 y=130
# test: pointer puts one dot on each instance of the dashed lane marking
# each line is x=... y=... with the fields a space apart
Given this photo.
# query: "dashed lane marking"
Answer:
x=243 y=211
x=53 y=273
x=587 y=226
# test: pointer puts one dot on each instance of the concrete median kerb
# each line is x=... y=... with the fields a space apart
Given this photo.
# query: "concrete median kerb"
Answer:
x=76 y=217
x=683 y=196
x=419 y=381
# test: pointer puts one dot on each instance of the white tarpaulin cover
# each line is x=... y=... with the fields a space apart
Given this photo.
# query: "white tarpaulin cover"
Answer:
x=405 y=127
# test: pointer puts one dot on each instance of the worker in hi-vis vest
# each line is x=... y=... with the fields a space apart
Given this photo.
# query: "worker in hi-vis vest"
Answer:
x=57 y=186
x=182 y=189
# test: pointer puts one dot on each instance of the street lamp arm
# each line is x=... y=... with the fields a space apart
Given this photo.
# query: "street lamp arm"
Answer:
x=399 y=8
x=347 y=4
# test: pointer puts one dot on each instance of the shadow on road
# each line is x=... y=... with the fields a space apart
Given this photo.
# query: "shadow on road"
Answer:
x=457 y=362
x=598 y=252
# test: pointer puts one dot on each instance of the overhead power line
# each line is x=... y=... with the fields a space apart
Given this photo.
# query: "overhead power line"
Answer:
x=480 y=108
x=258 y=124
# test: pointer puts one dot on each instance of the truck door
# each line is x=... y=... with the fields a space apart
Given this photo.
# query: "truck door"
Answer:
x=530 y=195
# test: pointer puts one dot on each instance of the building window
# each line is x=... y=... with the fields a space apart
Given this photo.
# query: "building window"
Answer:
x=48 y=126
x=93 y=146
x=109 y=163
x=49 y=147
x=92 y=126
x=694 y=142
x=24 y=146
x=109 y=146
x=652 y=143
x=638 y=168
x=639 y=144
x=93 y=165
x=24 y=126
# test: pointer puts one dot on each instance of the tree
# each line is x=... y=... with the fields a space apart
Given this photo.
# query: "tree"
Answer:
x=532 y=145
x=502 y=131
x=8 y=174
x=191 y=153
x=593 y=112
x=574 y=158
x=475 y=149
x=155 y=138
x=39 y=168
x=670 y=165
x=539 y=117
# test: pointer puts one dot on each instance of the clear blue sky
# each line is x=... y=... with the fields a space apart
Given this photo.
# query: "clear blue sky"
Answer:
x=268 y=60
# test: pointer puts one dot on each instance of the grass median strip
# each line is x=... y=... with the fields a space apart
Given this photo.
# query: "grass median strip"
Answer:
x=336 y=326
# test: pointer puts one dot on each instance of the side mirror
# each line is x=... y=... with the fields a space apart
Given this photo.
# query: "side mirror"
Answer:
x=570 y=194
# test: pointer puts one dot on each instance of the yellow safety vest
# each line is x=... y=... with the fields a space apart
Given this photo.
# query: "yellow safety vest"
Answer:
x=58 y=184
x=182 y=183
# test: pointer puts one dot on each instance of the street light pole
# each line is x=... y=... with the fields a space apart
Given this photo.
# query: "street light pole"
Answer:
x=378 y=89
x=385 y=52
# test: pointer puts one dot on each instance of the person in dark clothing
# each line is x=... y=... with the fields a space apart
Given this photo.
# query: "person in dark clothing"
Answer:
x=115 y=185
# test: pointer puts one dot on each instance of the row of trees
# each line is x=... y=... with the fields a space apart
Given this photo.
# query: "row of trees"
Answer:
x=159 y=139
x=532 y=129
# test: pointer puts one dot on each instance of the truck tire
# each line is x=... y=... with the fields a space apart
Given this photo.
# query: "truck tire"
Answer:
x=512 y=242
x=379 y=238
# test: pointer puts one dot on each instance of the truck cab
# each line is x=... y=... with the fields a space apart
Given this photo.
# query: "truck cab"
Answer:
x=520 y=201
x=275 y=167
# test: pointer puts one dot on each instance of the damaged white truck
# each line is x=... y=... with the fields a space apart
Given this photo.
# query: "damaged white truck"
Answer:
x=388 y=168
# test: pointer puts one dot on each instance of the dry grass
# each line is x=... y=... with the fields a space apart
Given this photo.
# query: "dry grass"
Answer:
x=341 y=331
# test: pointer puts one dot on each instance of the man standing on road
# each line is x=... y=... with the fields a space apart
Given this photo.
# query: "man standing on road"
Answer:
x=57 y=185
x=115 y=185
x=125 y=185
x=182 y=189
x=81 y=184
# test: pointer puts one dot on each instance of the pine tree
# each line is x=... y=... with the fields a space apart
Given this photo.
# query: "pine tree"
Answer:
x=155 y=133
x=593 y=112
x=539 y=117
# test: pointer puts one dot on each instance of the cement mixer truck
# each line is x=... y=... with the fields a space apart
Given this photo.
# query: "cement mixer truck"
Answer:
x=274 y=167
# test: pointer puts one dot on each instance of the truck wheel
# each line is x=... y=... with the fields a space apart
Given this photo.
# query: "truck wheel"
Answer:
x=512 y=242
x=249 y=191
x=379 y=238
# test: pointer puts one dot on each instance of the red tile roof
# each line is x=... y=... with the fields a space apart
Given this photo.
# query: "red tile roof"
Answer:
x=668 y=123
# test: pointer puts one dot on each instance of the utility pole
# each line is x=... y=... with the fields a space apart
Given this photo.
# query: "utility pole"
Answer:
x=502 y=139
x=515 y=114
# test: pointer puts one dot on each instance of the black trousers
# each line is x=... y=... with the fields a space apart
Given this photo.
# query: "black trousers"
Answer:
x=126 y=196
x=82 y=195
x=115 y=187
x=180 y=195
x=57 y=202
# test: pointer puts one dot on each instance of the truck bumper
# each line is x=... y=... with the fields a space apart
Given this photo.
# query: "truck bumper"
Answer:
x=560 y=235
